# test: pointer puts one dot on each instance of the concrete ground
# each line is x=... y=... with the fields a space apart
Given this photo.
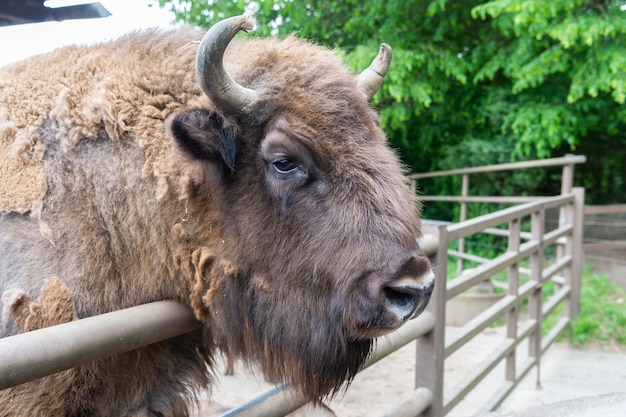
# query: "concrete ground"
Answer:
x=606 y=405
x=574 y=383
x=566 y=373
x=569 y=374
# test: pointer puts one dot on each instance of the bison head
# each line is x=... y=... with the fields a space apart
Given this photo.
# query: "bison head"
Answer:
x=317 y=252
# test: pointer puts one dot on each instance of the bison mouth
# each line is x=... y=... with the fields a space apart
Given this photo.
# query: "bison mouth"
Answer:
x=334 y=353
x=321 y=351
x=378 y=307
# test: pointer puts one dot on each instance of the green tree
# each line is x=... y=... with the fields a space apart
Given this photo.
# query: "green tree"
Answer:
x=560 y=68
x=475 y=82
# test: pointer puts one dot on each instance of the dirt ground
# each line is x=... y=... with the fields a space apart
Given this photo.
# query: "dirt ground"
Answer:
x=566 y=373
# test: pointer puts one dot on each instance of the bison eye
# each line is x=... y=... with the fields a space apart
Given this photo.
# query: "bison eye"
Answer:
x=284 y=165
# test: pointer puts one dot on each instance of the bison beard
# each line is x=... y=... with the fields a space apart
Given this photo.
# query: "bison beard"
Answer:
x=313 y=353
x=310 y=349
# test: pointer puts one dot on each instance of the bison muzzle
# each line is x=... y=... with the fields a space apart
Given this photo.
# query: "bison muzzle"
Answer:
x=250 y=181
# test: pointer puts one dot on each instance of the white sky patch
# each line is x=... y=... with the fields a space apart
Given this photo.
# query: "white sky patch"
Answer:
x=21 y=41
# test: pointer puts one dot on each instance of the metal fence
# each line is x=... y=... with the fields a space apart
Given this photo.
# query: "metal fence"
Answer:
x=536 y=287
x=464 y=199
x=527 y=302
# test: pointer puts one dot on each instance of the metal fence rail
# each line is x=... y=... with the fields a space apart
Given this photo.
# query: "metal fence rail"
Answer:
x=32 y=355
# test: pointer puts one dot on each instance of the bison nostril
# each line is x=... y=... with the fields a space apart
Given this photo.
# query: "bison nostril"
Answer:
x=407 y=298
x=400 y=300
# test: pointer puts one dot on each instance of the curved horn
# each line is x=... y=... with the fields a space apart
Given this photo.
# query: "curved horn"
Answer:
x=227 y=95
x=370 y=80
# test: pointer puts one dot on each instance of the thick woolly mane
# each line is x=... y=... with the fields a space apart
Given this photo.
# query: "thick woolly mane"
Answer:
x=128 y=87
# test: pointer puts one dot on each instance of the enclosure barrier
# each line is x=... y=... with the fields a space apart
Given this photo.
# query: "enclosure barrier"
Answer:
x=42 y=352
x=564 y=272
x=567 y=180
x=35 y=354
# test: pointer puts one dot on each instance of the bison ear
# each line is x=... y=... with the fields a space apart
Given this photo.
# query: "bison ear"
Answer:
x=204 y=135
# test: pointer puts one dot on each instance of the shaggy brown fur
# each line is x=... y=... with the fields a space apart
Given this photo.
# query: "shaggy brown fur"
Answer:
x=285 y=230
x=101 y=89
x=55 y=306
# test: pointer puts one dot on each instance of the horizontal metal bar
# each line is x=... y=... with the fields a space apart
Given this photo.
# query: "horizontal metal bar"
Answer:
x=282 y=400
x=554 y=235
x=478 y=372
x=467 y=256
x=565 y=160
x=479 y=323
x=608 y=209
x=479 y=199
x=496 y=399
x=558 y=328
x=506 y=233
x=488 y=269
x=277 y=402
x=43 y=352
x=480 y=223
x=555 y=300
x=555 y=268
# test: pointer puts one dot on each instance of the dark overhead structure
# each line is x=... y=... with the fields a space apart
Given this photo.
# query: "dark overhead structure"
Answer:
x=19 y=12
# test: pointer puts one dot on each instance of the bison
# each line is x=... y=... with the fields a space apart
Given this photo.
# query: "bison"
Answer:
x=263 y=195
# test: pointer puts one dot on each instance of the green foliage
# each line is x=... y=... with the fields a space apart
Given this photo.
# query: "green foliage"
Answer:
x=602 y=315
x=558 y=57
x=472 y=80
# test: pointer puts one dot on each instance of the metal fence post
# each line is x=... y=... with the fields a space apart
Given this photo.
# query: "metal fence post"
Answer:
x=536 y=298
x=567 y=180
x=430 y=348
x=462 y=218
x=577 y=250
x=513 y=284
